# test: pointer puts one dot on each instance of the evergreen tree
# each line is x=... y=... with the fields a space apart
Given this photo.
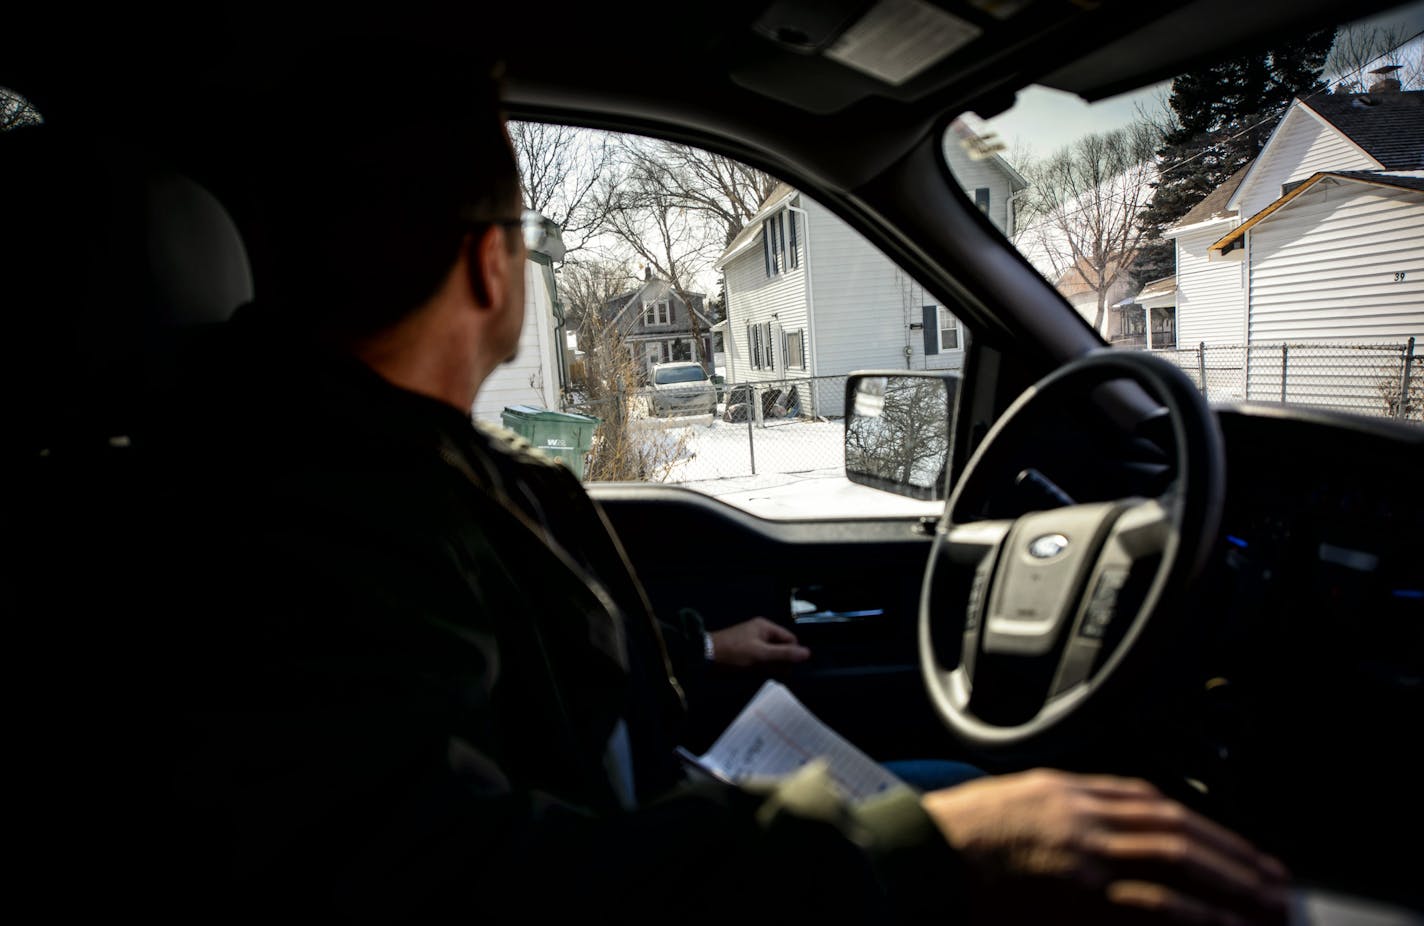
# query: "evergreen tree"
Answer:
x=1223 y=115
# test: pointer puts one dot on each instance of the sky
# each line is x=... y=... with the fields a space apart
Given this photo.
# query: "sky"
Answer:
x=1044 y=120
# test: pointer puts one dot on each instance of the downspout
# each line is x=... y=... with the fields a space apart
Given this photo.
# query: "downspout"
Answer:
x=810 y=293
x=1012 y=215
x=561 y=360
x=1246 y=317
x=543 y=332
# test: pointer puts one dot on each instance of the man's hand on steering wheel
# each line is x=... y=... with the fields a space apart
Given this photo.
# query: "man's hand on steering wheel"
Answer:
x=1111 y=850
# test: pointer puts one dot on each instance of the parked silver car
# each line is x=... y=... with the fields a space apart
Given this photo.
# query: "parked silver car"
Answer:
x=682 y=389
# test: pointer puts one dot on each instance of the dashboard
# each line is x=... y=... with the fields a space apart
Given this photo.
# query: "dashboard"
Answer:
x=1308 y=700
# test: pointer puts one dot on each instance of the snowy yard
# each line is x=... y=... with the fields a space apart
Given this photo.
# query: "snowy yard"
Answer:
x=705 y=449
x=800 y=468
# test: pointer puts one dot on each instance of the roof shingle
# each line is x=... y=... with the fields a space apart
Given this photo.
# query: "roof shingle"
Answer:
x=1389 y=126
x=1215 y=203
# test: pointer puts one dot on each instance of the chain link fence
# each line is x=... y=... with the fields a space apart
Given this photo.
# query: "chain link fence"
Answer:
x=749 y=435
x=757 y=432
x=1379 y=380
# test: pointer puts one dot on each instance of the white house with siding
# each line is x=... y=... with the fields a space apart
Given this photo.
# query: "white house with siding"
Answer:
x=1320 y=240
x=532 y=377
x=808 y=296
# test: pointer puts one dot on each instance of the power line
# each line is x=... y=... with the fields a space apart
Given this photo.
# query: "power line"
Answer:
x=1059 y=217
x=1321 y=92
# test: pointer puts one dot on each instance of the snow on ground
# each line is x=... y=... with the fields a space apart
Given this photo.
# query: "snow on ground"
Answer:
x=704 y=448
x=800 y=468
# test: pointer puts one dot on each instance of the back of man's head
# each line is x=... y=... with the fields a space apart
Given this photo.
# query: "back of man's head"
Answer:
x=370 y=173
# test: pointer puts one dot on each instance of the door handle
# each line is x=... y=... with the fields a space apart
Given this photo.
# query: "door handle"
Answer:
x=805 y=613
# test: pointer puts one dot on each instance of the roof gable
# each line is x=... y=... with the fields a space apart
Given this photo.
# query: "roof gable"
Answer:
x=976 y=148
x=1351 y=176
x=1299 y=120
x=654 y=290
x=747 y=236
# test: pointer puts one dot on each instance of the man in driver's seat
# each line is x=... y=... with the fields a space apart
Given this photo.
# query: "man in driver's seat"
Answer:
x=431 y=679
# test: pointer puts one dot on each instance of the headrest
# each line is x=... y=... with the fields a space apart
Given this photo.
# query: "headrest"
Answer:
x=106 y=255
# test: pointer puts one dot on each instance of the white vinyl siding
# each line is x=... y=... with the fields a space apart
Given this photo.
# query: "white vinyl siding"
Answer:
x=1324 y=267
x=752 y=299
x=1211 y=303
x=984 y=174
x=531 y=378
x=864 y=308
x=1304 y=145
x=1323 y=271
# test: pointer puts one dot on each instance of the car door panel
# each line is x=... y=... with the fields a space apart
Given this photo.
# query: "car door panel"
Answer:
x=858 y=583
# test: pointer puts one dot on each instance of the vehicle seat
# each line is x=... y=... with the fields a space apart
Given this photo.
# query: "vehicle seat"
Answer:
x=110 y=259
x=112 y=265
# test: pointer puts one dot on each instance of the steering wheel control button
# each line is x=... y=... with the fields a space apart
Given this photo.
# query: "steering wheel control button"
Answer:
x=976 y=601
x=1048 y=546
x=1103 y=603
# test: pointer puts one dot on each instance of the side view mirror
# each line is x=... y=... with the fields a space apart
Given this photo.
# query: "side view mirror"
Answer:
x=898 y=427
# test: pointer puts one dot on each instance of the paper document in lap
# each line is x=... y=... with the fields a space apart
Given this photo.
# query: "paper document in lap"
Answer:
x=775 y=735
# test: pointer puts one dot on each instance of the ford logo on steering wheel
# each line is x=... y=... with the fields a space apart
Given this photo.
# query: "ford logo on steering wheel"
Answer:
x=1048 y=546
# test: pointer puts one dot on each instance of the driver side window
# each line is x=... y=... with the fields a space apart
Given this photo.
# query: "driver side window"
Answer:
x=773 y=294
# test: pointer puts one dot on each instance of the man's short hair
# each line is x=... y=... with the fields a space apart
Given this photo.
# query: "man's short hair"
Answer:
x=369 y=181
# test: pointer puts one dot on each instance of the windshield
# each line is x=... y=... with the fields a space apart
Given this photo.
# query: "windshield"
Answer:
x=666 y=375
x=1256 y=221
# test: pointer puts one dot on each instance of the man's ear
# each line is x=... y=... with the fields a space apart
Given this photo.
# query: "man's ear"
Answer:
x=489 y=262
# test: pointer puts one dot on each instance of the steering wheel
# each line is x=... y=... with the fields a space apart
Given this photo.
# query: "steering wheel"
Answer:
x=1030 y=628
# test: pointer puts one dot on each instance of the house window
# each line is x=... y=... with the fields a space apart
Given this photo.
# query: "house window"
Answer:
x=656 y=313
x=981 y=199
x=948 y=330
x=1164 y=326
x=778 y=243
x=794 y=349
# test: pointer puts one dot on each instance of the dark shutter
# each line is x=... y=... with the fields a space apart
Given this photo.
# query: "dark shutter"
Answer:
x=770 y=355
x=766 y=245
x=802 y=341
x=791 y=219
x=931 y=329
x=981 y=199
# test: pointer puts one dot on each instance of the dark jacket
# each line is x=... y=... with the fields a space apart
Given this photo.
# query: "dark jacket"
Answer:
x=394 y=651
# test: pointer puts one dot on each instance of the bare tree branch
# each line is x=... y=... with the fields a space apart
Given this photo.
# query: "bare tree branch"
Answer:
x=1085 y=202
x=16 y=111
x=1359 y=50
x=563 y=171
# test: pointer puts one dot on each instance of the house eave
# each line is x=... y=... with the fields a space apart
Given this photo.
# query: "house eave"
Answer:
x=1178 y=231
x=739 y=248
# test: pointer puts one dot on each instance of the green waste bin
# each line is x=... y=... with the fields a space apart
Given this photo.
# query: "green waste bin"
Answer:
x=565 y=436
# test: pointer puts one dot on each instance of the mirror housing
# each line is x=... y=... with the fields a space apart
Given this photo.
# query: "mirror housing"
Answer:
x=898 y=429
